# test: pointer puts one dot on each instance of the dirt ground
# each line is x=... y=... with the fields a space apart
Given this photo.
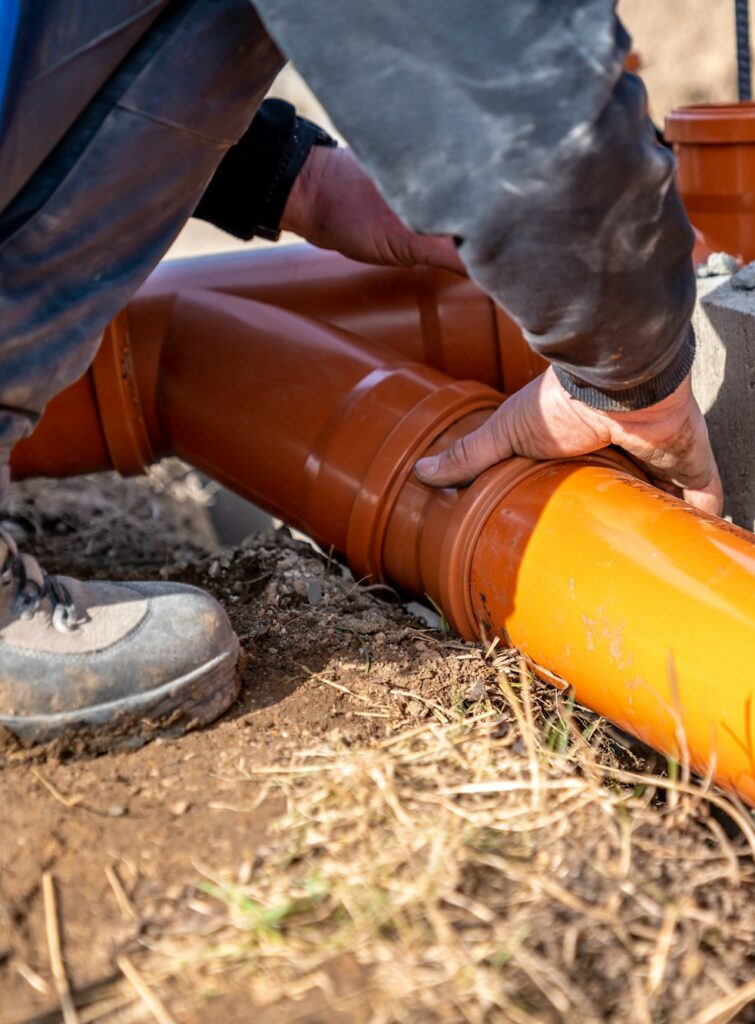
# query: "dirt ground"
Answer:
x=159 y=816
x=389 y=824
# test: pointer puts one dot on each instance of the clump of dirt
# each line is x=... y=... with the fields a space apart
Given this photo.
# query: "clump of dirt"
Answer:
x=389 y=824
x=98 y=525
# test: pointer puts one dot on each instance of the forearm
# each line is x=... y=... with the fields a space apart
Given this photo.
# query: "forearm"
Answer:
x=516 y=132
x=595 y=261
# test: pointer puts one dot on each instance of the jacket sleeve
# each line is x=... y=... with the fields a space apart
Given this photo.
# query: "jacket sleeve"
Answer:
x=248 y=191
x=513 y=127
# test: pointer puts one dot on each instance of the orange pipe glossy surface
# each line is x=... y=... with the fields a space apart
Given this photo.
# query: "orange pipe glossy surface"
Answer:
x=645 y=606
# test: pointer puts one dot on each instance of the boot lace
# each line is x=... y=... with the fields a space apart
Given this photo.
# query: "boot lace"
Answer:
x=30 y=594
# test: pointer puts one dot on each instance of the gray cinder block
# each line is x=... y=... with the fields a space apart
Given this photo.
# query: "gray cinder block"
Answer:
x=723 y=380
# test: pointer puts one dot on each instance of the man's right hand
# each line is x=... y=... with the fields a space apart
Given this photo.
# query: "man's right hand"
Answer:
x=334 y=204
x=669 y=440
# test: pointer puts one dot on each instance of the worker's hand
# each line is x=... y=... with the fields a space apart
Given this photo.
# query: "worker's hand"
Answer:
x=335 y=205
x=669 y=440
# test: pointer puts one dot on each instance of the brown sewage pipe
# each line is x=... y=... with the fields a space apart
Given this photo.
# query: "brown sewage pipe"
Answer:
x=646 y=607
x=429 y=315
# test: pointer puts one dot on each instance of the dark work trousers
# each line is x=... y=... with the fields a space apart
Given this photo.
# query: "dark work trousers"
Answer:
x=509 y=125
x=171 y=86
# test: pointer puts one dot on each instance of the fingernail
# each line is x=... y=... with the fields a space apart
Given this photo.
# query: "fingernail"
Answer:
x=428 y=466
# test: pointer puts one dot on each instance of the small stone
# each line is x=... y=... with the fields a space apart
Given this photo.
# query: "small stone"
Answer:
x=476 y=691
x=179 y=808
x=744 y=279
x=353 y=624
x=720 y=263
x=314 y=591
x=117 y=811
x=214 y=569
x=300 y=587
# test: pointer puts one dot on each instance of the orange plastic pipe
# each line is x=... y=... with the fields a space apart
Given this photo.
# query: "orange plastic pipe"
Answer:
x=429 y=315
x=646 y=607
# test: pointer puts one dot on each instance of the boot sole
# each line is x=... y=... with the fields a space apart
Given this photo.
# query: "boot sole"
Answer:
x=193 y=700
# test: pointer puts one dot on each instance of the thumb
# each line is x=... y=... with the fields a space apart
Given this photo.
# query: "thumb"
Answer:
x=467 y=457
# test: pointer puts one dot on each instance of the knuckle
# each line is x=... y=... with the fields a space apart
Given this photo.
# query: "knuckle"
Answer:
x=459 y=452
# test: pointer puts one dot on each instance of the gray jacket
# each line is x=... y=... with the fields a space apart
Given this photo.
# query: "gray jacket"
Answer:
x=512 y=126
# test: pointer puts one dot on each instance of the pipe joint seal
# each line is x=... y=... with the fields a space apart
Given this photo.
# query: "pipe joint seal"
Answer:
x=119 y=405
x=394 y=462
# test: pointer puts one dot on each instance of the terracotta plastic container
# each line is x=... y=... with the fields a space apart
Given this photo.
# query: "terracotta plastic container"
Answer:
x=715 y=151
x=645 y=606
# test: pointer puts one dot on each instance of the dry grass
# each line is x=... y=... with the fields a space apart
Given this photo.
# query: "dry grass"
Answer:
x=495 y=866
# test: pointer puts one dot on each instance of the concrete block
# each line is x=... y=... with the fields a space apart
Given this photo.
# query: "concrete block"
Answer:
x=723 y=380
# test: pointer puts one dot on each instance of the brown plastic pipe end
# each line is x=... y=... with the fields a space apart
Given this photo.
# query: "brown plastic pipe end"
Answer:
x=98 y=423
x=714 y=146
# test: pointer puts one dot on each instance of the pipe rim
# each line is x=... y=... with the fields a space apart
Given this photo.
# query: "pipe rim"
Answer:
x=117 y=391
x=711 y=124
x=475 y=508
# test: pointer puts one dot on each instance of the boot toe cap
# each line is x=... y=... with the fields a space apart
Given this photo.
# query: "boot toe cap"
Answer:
x=180 y=654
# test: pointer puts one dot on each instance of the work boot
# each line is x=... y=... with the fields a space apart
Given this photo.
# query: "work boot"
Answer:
x=108 y=661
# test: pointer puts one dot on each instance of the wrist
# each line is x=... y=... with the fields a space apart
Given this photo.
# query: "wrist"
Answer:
x=665 y=415
x=301 y=207
x=251 y=187
x=671 y=406
x=641 y=396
